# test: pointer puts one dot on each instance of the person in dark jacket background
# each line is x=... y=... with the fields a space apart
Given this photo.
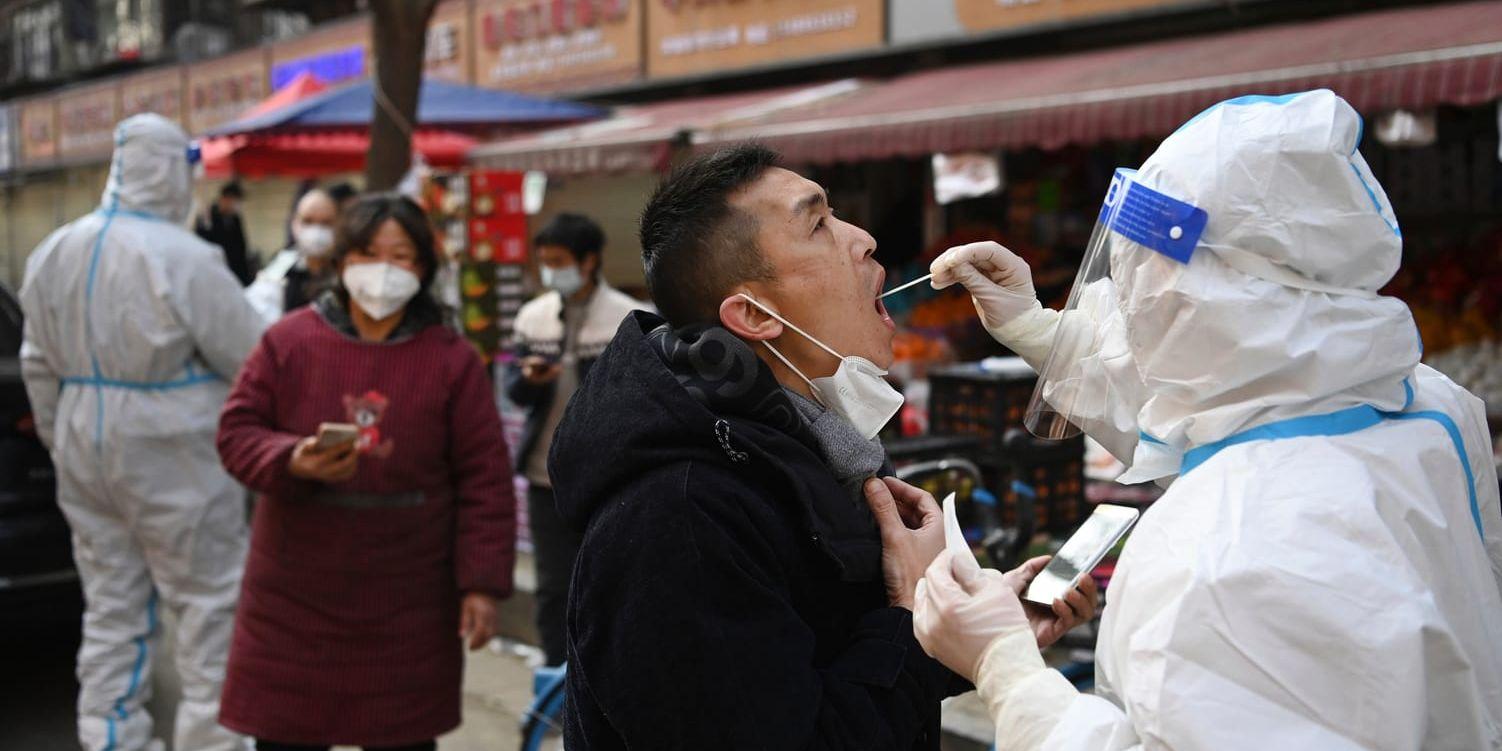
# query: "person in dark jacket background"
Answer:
x=559 y=335
x=733 y=589
x=221 y=226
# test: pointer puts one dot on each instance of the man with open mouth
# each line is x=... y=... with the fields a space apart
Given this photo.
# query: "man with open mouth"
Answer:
x=733 y=589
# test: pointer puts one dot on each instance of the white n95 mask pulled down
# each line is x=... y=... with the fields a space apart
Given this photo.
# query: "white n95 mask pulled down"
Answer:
x=380 y=289
x=858 y=391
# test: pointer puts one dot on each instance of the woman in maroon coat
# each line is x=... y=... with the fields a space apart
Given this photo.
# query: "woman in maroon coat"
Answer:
x=372 y=560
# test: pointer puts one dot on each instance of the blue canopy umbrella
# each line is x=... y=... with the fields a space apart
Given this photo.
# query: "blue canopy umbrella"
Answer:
x=440 y=104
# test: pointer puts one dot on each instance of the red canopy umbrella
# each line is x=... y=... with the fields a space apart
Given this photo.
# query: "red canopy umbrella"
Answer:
x=312 y=154
x=303 y=86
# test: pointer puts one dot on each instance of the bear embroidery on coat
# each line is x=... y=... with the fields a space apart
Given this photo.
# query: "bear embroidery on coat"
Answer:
x=365 y=412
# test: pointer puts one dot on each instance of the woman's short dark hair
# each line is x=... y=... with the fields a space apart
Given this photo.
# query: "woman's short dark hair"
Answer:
x=576 y=233
x=364 y=219
x=358 y=226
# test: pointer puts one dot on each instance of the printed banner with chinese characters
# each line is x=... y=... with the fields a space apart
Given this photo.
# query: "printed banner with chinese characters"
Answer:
x=492 y=280
x=693 y=37
x=552 y=45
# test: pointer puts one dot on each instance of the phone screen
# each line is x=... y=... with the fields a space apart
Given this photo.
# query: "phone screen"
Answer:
x=1081 y=553
x=331 y=434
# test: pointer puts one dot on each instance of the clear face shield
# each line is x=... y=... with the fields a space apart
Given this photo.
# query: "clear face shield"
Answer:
x=1072 y=388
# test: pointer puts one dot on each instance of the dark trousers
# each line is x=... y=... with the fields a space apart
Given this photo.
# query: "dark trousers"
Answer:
x=270 y=746
x=556 y=545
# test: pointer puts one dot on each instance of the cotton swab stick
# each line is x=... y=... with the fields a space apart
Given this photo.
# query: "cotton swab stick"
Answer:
x=913 y=283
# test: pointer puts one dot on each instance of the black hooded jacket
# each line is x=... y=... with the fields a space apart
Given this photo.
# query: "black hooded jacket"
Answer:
x=728 y=594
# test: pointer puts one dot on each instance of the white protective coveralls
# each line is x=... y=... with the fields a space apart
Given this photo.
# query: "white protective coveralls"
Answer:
x=1326 y=570
x=134 y=329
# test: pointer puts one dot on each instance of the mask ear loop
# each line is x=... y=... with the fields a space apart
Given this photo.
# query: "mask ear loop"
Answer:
x=789 y=324
x=779 y=355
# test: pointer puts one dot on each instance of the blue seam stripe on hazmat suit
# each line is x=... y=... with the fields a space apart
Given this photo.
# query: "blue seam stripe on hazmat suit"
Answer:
x=1314 y=577
x=133 y=329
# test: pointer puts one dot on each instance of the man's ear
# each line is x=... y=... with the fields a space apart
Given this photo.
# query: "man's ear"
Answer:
x=744 y=319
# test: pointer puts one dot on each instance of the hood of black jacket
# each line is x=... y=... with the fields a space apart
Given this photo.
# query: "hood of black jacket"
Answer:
x=657 y=397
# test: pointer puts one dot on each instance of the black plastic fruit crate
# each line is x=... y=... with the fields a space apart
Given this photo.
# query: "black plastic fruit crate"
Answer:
x=967 y=400
x=1056 y=478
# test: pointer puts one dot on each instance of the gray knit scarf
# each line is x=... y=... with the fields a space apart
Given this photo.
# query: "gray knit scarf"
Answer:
x=853 y=459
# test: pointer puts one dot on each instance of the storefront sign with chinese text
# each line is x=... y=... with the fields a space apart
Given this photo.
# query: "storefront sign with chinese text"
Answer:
x=921 y=20
x=86 y=122
x=557 y=45
x=219 y=90
x=159 y=91
x=334 y=53
x=38 y=121
x=449 y=51
x=687 y=37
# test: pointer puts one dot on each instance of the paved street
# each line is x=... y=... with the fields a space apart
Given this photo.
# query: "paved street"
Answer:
x=36 y=699
x=38 y=693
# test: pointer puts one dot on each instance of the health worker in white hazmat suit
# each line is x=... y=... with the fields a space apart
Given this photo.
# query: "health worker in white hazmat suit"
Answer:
x=1325 y=572
x=134 y=330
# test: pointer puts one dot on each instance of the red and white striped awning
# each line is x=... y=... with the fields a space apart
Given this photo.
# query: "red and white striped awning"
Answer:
x=1411 y=57
x=641 y=138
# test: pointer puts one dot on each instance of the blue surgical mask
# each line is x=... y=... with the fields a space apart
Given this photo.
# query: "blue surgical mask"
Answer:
x=566 y=281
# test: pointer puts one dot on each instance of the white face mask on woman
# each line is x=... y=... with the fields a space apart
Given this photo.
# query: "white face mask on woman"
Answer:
x=313 y=240
x=858 y=391
x=380 y=289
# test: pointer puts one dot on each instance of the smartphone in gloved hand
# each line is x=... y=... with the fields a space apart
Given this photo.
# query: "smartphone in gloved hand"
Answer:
x=1081 y=553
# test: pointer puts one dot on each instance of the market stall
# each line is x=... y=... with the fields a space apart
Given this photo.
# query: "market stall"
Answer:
x=306 y=129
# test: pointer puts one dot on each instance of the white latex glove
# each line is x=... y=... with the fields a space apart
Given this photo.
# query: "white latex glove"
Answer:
x=998 y=280
x=959 y=609
x=1001 y=286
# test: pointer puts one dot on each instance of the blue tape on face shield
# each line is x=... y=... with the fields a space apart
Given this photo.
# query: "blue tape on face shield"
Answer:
x=1073 y=384
x=195 y=160
x=1152 y=219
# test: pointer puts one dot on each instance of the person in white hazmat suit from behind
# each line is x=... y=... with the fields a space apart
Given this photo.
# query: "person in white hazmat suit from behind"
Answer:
x=134 y=329
x=1325 y=572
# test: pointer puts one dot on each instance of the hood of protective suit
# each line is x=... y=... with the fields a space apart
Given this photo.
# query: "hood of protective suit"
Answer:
x=1275 y=315
x=150 y=172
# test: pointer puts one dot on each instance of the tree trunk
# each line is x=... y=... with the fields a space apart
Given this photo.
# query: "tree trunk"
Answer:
x=399 y=35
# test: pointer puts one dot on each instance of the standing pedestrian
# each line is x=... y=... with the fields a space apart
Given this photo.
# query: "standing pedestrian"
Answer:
x=344 y=194
x=299 y=274
x=371 y=557
x=559 y=335
x=133 y=330
x=221 y=226
x=733 y=591
x=1325 y=570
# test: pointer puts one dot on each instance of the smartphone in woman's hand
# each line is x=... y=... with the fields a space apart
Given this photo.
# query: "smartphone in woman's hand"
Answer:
x=333 y=435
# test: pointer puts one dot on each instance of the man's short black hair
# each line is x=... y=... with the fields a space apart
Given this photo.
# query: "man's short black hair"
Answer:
x=576 y=233
x=696 y=247
x=341 y=193
x=232 y=189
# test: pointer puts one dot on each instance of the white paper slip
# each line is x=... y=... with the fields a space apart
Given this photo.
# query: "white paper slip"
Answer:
x=954 y=537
